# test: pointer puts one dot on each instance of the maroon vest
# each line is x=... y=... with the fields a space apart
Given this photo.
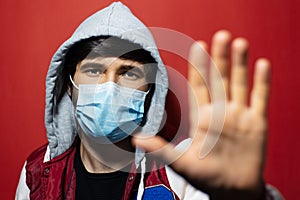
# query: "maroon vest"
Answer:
x=56 y=179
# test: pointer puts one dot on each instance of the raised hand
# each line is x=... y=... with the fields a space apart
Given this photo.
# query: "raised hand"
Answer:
x=226 y=156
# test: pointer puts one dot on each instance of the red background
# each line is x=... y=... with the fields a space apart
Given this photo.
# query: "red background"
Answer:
x=31 y=31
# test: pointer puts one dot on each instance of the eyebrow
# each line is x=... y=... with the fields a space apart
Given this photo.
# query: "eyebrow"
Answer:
x=128 y=67
x=132 y=67
x=91 y=65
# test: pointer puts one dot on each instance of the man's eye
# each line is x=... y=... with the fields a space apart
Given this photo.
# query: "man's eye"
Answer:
x=93 y=72
x=131 y=75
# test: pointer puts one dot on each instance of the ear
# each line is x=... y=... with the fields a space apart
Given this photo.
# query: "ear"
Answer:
x=69 y=91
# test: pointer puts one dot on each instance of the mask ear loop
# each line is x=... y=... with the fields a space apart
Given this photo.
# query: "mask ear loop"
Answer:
x=77 y=126
x=73 y=82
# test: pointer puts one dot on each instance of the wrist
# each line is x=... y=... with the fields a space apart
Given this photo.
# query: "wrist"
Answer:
x=257 y=193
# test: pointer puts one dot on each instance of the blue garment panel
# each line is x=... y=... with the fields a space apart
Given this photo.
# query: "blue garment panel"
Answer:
x=159 y=192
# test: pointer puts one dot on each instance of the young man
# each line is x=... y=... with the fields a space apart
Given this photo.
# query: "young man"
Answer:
x=105 y=85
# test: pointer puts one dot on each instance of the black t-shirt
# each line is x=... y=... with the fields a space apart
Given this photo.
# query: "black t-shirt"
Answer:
x=93 y=186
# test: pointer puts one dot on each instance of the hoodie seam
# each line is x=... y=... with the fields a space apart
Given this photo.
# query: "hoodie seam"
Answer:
x=109 y=18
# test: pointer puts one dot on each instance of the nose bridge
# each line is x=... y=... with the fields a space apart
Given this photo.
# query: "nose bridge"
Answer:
x=109 y=74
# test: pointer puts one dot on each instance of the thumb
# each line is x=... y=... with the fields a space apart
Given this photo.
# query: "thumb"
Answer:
x=158 y=147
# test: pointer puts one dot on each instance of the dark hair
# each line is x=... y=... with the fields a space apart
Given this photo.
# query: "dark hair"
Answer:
x=104 y=46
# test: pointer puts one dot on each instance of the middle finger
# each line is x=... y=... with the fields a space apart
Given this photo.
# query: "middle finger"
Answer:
x=219 y=79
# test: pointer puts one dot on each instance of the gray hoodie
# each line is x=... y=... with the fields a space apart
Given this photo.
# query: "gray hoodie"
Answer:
x=114 y=20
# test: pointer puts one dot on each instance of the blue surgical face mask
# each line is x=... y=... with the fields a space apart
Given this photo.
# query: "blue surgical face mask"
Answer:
x=108 y=112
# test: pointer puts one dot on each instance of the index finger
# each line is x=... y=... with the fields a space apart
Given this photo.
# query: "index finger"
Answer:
x=198 y=63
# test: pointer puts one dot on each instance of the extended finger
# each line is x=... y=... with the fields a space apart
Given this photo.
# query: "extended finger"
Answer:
x=261 y=86
x=239 y=71
x=219 y=67
x=198 y=63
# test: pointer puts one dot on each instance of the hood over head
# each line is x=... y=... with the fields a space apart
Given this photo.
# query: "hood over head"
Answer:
x=114 y=20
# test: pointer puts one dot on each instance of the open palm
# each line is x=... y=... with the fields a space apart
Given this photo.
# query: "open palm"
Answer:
x=226 y=156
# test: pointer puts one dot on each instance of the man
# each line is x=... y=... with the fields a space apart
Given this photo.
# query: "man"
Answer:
x=106 y=85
